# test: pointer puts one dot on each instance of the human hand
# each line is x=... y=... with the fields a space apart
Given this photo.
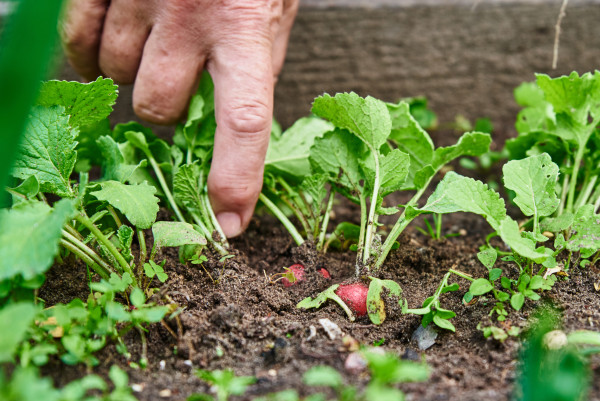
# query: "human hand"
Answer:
x=162 y=47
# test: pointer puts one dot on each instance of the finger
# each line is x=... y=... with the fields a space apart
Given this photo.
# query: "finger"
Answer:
x=126 y=28
x=243 y=79
x=290 y=9
x=80 y=33
x=167 y=76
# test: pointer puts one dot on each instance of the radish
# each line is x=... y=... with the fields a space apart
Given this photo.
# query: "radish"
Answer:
x=355 y=296
x=324 y=273
x=293 y=274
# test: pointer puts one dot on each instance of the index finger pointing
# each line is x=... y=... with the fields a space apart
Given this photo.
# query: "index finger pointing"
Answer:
x=243 y=79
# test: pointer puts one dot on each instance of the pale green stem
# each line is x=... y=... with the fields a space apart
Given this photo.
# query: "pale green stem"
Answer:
x=208 y=234
x=143 y=250
x=461 y=274
x=400 y=225
x=213 y=219
x=303 y=206
x=371 y=226
x=73 y=232
x=361 y=235
x=584 y=196
x=573 y=184
x=437 y=218
x=114 y=215
x=325 y=220
x=84 y=248
x=165 y=188
x=301 y=218
x=109 y=245
x=282 y=218
x=83 y=256
x=563 y=195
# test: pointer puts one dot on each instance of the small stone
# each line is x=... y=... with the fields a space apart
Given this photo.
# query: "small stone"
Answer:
x=187 y=362
x=313 y=333
x=332 y=329
x=411 y=355
x=350 y=343
x=272 y=372
x=462 y=232
x=138 y=387
x=425 y=337
x=555 y=339
x=162 y=365
x=355 y=363
x=166 y=393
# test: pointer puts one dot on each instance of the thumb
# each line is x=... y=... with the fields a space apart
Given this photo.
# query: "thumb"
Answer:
x=243 y=81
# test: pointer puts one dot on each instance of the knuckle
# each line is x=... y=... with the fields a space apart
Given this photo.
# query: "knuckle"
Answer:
x=248 y=119
x=151 y=113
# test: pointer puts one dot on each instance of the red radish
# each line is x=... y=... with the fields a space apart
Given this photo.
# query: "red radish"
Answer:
x=324 y=273
x=355 y=296
x=297 y=271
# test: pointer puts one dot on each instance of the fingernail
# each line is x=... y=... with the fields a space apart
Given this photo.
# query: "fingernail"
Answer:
x=231 y=223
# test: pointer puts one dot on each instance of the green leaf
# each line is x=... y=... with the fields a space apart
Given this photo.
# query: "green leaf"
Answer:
x=175 y=233
x=456 y=193
x=137 y=297
x=470 y=144
x=289 y=152
x=136 y=201
x=18 y=317
x=368 y=118
x=411 y=139
x=533 y=179
x=114 y=166
x=308 y=302
x=393 y=169
x=337 y=155
x=323 y=376
x=488 y=257
x=536 y=283
x=375 y=305
x=138 y=140
x=495 y=274
x=29 y=237
x=443 y=323
x=27 y=190
x=186 y=187
x=480 y=286
x=557 y=224
x=586 y=227
x=517 y=300
x=585 y=337
x=85 y=103
x=47 y=151
x=510 y=234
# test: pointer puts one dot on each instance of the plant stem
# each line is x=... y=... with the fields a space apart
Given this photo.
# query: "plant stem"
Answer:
x=298 y=213
x=208 y=234
x=343 y=305
x=109 y=245
x=143 y=250
x=114 y=215
x=461 y=274
x=213 y=219
x=586 y=191
x=282 y=218
x=84 y=248
x=165 y=187
x=573 y=184
x=437 y=218
x=597 y=203
x=325 y=220
x=83 y=256
x=73 y=232
x=371 y=226
x=399 y=226
x=361 y=235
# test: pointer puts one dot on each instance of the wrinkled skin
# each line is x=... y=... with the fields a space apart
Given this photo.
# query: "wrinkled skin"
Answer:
x=161 y=46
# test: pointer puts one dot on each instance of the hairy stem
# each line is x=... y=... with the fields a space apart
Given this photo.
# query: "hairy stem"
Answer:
x=143 y=251
x=282 y=218
x=213 y=219
x=109 y=245
x=325 y=220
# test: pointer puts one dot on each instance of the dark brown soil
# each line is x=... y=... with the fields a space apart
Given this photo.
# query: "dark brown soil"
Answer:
x=246 y=323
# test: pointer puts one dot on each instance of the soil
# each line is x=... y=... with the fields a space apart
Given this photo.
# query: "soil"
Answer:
x=246 y=323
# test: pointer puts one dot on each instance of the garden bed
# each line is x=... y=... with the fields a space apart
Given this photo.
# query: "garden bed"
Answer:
x=262 y=334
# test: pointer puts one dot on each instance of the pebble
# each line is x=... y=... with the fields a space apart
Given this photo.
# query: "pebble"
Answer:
x=313 y=333
x=555 y=339
x=332 y=329
x=138 y=387
x=166 y=393
x=162 y=365
x=355 y=363
x=425 y=337
x=187 y=362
